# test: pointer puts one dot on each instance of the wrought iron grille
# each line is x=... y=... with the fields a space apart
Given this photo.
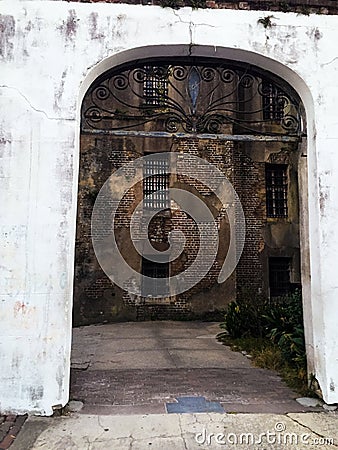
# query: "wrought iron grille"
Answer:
x=279 y=276
x=155 y=86
x=192 y=96
x=273 y=102
x=276 y=190
x=155 y=187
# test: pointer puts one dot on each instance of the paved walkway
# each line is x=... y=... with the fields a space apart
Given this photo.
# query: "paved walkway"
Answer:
x=131 y=368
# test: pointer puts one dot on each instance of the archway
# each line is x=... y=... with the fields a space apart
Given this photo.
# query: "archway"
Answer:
x=281 y=159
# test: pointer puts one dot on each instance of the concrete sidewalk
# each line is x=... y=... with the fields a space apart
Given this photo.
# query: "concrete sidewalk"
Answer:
x=181 y=432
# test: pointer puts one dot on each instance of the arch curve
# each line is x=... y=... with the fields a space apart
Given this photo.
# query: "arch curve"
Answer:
x=204 y=51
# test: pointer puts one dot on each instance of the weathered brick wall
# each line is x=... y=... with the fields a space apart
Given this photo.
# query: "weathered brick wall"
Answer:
x=249 y=182
x=95 y=296
x=299 y=6
x=96 y=299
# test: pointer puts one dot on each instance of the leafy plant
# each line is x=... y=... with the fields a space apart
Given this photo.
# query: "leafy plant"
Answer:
x=280 y=320
x=247 y=315
x=266 y=21
x=287 y=329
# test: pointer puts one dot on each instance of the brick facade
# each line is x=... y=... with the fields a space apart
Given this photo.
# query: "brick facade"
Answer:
x=97 y=300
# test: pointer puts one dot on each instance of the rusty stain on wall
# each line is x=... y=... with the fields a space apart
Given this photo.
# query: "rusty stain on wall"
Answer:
x=324 y=194
x=36 y=392
x=7 y=32
x=94 y=34
x=69 y=26
x=59 y=90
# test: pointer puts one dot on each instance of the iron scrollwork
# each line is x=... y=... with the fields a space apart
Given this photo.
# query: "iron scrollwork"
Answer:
x=191 y=98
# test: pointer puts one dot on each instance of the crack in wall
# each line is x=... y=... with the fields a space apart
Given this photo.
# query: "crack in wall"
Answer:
x=330 y=62
x=192 y=28
x=40 y=111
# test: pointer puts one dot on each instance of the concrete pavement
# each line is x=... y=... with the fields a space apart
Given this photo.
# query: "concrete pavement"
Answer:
x=181 y=432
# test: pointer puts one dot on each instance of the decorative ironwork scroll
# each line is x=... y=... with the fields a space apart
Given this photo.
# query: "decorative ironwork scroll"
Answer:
x=191 y=97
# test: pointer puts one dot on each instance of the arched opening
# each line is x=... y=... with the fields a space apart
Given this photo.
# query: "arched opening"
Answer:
x=238 y=116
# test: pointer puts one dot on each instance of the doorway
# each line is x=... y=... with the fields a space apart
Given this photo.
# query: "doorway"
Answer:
x=242 y=120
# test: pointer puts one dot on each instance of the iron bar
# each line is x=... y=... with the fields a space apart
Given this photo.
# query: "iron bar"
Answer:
x=220 y=137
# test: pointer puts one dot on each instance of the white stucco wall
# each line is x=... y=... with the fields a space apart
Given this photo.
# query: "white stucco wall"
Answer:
x=50 y=52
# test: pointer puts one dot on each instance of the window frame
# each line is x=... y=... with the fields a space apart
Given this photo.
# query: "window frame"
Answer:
x=150 y=269
x=279 y=267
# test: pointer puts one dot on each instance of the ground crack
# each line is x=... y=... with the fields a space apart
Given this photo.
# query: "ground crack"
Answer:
x=181 y=431
x=312 y=431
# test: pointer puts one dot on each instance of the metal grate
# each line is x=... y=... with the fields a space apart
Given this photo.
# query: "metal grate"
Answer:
x=156 y=183
x=155 y=86
x=189 y=96
x=154 y=271
x=276 y=190
x=279 y=276
x=273 y=102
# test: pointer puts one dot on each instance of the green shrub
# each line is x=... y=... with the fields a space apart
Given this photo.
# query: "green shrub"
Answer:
x=281 y=320
x=288 y=331
x=247 y=315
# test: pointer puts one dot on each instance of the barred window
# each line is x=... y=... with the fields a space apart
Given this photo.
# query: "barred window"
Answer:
x=279 y=276
x=276 y=190
x=155 y=86
x=154 y=271
x=156 y=183
x=273 y=102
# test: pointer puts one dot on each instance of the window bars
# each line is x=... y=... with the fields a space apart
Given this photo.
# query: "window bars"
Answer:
x=155 y=86
x=276 y=190
x=273 y=102
x=156 y=183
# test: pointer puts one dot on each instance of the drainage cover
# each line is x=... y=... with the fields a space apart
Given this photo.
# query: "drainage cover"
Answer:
x=193 y=405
